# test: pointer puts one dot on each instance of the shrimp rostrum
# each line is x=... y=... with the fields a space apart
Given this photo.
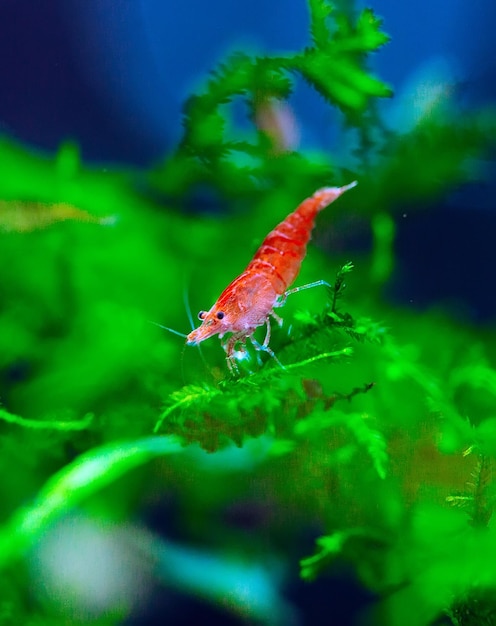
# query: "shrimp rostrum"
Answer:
x=250 y=300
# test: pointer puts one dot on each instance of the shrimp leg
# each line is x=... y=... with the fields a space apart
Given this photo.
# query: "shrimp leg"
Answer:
x=265 y=348
x=265 y=345
x=318 y=283
x=230 y=347
x=267 y=334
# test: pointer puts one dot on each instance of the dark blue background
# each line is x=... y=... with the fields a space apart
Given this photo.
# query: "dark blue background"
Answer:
x=114 y=73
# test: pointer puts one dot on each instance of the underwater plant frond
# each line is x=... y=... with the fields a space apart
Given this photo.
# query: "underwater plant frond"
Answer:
x=367 y=437
x=477 y=500
x=359 y=328
x=331 y=546
x=348 y=351
x=80 y=424
x=384 y=231
x=475 y=608
x=205 y=119
x=341 y=81
x=331 y=327
x=339 y=284
x=369 y=36
x=249 y=406
x=320 y=10
x=477 y=374
x=79 y=479
x=334 y=66
x=185 y=397
x=420 y=183
x=328 y=547
x=371 y=439
x=25 y=217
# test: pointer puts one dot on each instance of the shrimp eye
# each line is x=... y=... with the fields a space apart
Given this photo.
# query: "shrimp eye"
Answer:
x=201 y=315
x=220 y=315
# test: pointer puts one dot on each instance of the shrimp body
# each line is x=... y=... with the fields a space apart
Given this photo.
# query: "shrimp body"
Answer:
x=247 y=302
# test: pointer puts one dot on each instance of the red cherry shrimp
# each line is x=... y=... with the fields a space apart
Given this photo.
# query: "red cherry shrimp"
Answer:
x=250 y=299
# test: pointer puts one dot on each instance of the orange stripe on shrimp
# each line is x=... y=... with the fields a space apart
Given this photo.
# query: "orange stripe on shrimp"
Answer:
x=250 y=299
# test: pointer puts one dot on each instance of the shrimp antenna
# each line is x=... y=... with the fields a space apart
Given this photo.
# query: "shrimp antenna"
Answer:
x=187 y=306
x=171 y=330
x=174 y=332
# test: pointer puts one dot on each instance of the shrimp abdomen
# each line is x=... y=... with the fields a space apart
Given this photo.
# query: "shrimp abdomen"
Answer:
x=284 y=248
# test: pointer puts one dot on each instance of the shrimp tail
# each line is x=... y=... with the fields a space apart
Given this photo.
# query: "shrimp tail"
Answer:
x=320 y=200
x=284 y=248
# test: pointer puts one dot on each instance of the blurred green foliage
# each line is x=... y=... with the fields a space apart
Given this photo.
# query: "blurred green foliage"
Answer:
x=379 y=434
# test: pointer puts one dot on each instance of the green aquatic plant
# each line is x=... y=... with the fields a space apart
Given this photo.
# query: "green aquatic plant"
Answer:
x=377 y=437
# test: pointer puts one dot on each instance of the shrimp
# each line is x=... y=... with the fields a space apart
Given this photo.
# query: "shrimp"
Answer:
x=249 y=301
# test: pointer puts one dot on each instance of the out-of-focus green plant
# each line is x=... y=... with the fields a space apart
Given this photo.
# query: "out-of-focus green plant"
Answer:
x=379 y=433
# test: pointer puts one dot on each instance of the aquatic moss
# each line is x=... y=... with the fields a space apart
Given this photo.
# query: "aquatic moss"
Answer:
x=379 y=435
